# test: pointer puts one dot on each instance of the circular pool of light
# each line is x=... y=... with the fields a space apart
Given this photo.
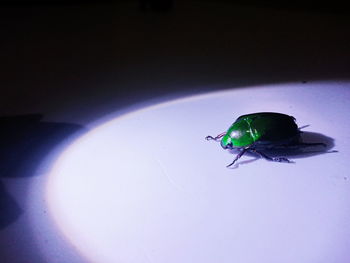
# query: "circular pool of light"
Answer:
x=147 y=187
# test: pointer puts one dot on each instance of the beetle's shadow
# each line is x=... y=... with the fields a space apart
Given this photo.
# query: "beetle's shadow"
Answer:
x=296 y=152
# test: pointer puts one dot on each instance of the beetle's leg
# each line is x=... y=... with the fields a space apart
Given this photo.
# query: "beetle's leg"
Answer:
x=303 y=127
x=274 y=159
x=208 y=138
x=238 y=156
x=307 y=144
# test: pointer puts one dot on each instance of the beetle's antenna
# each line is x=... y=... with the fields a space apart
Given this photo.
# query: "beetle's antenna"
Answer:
x=303 y=127
x=209 y=138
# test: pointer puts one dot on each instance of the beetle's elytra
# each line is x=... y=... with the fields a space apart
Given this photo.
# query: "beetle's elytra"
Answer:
x=257 y=132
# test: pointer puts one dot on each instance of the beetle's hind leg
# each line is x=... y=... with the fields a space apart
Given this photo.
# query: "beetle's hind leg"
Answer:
x=310 y=144
x=273 y=159
x=217 y=137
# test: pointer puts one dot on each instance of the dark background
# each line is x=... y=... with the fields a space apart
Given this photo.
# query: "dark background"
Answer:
x=66 y=64
x=75 y=56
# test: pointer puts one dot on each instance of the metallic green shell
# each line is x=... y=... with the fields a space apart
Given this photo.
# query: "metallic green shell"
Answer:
x=260 y=127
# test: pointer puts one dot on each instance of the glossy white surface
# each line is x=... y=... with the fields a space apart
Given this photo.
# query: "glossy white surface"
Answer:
x=147 y=186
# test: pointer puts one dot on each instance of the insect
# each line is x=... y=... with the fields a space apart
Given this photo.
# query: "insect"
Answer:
x=258 y=132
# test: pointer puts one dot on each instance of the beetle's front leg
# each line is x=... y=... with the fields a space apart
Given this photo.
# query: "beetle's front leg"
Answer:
x=273 y=159
x=216 y=138
x=238 y=156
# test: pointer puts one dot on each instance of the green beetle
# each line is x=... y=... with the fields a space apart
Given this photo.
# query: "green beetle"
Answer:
x=261 y=131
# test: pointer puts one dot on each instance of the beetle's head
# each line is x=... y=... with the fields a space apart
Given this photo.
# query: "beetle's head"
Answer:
x=226 y=142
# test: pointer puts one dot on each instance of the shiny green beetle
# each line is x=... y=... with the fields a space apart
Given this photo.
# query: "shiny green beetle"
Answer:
x=260 y=131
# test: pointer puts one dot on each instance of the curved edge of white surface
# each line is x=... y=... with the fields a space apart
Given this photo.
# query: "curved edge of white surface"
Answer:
x=205 y=185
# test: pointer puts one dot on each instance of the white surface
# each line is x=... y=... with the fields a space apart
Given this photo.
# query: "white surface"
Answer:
x=147 y=186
